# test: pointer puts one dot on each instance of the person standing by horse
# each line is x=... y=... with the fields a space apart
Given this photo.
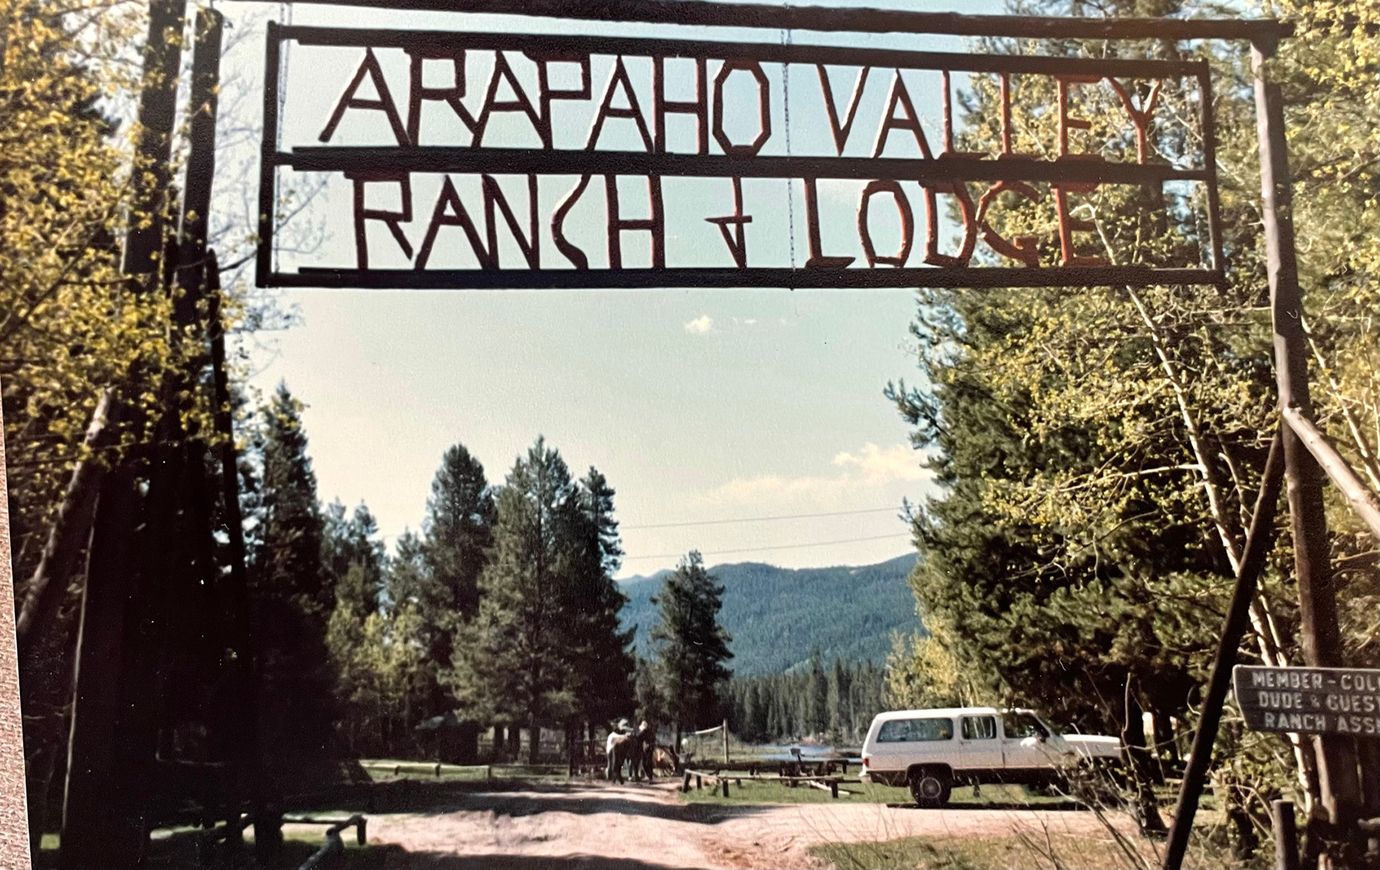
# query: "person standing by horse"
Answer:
x=645 y=750
x=617 y=750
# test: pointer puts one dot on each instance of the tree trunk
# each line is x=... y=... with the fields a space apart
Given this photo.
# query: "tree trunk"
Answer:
x=1138 y=764
x=467 y=743
x=514 y=742
x=68 y=536
x=533 y=741
x=498 y=742
x=1166 y=747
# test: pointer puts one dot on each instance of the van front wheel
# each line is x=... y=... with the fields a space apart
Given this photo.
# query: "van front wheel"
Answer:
x=930 y=787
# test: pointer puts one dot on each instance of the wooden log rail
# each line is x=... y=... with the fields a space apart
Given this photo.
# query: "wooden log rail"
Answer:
x=824 y=782
x=1363 y=502
x=334 y=845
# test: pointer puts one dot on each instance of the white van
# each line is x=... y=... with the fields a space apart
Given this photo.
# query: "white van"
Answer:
x=931 y=750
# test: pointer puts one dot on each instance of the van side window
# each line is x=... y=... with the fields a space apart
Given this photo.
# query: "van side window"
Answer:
x=979 y=727
x=1018 y=726
x=915 y=730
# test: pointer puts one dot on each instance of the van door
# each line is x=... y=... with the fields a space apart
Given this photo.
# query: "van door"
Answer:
x=1024 y=742
x=979 y=746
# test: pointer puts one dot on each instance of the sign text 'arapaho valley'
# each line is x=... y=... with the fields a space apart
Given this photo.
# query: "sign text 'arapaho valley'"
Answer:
x=488 y=160
x=1309 y=700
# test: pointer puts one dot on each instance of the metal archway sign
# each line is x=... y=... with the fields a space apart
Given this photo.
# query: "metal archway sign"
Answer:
x=625 y=135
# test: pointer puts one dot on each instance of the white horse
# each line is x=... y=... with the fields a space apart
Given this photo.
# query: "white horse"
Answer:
x=617 y=749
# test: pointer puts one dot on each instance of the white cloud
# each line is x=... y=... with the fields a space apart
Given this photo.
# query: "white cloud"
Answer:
x=863 y=474
x=878 y=464
x=700 y=325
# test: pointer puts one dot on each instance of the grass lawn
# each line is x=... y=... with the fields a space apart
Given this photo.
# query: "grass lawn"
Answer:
x=1010 y=852
x=1021 y=852
x=769 y=791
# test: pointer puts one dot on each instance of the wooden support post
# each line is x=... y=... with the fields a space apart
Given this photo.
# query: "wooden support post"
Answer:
x=14 y=825
x=1338 y=776
x=1258 y=541
x=1286 y=835
x=109 y=752
x=94 y=833
x=724 y=784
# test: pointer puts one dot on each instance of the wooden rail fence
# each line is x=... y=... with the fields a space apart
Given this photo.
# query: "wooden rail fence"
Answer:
x=720 y=778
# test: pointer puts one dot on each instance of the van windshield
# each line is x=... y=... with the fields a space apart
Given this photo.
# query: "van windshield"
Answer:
x=915 y=730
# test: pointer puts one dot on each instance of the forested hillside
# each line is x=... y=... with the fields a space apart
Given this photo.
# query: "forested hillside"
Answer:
x=778 y=616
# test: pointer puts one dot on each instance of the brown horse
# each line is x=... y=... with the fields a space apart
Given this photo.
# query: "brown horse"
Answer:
x=665 y=761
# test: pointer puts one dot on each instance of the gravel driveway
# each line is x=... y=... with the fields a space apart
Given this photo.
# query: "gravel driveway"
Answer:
x=640 y=827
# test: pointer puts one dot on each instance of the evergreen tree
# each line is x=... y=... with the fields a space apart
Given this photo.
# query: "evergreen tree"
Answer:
x=292 y=533
x=651 y=701
x=407 y=578
x=291 y=589
x=604 y=665
x=691 y=645
x=459 y=528
x=353 y=557
x=835 y=701
x=409 y=604
x=458 y=532
x=353 y=543
x=512 y=662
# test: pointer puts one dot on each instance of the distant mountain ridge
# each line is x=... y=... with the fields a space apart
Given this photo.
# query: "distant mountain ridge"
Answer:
x=778 y=616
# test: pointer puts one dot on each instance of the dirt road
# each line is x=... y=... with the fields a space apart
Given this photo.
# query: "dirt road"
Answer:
x=638 y=827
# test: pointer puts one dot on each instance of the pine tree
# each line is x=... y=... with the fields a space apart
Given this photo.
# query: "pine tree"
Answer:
x=691 y=645
x=291 y=589
x=512 y=662
x=292 y=533
x=459 y=528
x=835 y=698
x=409 y=605
x=651 y=701
x=603 y=660
x=353 y=543
x=353 y=556
x=458 y=532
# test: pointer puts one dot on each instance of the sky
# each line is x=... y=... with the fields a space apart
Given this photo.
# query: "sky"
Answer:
x=748 y=424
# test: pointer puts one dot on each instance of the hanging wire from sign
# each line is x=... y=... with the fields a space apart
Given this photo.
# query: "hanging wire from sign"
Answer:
x=786 y=40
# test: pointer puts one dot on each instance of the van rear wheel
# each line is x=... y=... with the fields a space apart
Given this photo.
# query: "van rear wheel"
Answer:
x=930 y=787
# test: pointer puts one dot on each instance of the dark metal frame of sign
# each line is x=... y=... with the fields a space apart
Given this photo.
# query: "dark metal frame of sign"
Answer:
x=940 y=169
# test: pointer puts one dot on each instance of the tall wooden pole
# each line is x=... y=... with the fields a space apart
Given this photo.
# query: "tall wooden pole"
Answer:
x=1258 y=542
x=14 y=825
x=102 y=807
x=1322 y=646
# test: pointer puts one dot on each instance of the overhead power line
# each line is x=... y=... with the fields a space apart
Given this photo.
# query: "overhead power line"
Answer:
x=759 y=519
x=777 y=547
